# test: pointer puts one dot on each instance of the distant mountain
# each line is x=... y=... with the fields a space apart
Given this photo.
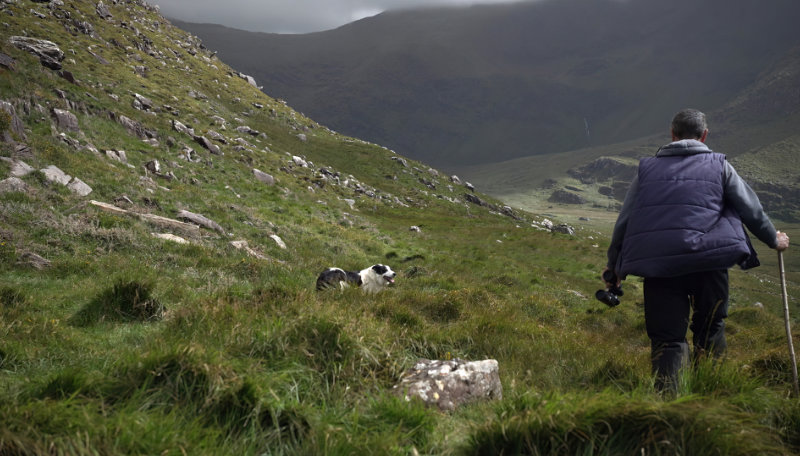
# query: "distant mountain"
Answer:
x=475 y=85
x=757 y=130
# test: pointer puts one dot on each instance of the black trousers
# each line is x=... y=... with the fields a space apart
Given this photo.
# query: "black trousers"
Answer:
x=697 y=301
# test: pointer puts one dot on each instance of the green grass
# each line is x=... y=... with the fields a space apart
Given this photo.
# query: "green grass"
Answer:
x=129 y=344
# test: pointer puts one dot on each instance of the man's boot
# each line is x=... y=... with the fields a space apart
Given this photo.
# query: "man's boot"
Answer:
x=668 y=359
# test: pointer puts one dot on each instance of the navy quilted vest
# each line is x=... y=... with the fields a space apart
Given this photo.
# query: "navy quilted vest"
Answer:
x=679 y=223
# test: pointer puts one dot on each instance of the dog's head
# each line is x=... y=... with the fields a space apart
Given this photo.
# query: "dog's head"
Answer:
x=385 y=272
x=376 y=278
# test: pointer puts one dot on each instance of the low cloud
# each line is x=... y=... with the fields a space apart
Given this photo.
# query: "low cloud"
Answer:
x=293 y=16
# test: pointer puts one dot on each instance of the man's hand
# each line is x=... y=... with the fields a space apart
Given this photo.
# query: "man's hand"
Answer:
x=609 y=284
x=782 y=241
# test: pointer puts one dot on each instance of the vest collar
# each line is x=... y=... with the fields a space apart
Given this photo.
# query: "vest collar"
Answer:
x=683 y=147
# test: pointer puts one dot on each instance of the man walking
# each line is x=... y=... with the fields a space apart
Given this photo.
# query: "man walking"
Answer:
x=680 y=228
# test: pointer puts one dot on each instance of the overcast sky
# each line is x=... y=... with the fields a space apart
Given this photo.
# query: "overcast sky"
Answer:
x=292 y=16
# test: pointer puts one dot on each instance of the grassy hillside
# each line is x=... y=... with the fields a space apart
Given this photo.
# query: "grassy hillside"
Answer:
x=116 y=341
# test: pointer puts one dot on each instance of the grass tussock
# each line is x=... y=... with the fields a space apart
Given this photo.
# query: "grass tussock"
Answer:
x=125 y=301
x=605 y=425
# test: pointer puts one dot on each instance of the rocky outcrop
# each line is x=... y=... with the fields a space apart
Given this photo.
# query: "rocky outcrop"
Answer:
x=505 y=210
x=604 y=169
x=15 y=126
x=450 y=384
x=564 y=196
x=53 y=174
x=278 y=241
x=7 y=62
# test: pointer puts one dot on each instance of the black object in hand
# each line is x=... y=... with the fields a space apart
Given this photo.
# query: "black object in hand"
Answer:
x=610 y=296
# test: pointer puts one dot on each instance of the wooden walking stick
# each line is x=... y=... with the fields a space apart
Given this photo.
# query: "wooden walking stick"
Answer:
x=788 y=327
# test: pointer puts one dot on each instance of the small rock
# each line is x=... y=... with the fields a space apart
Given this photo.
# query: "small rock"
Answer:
x=208 y=145
x=250 y=80
x=299 y=161
x=53 y=174
x=65 y=120
x=12 y=184
x=179 y=127
x=200 y=220
x=141 y=102
x=79 y=187
x=19 y=168
x=33 y=260
x=102 y=11
x=7 y=62
x=153 y=166
x=118 y=155
x=564 y=229
x=264 y=177
x=170 y=237
x=278 y=240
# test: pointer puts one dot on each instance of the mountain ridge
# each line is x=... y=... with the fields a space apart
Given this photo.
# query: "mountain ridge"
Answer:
x=496 y=82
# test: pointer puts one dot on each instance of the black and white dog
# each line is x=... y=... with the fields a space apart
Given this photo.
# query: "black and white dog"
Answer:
x=372 y=280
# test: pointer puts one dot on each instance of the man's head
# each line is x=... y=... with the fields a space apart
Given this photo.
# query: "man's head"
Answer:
x=689 y=124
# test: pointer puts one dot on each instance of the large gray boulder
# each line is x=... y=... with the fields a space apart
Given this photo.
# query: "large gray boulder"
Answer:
x=50 y=55
x=449 y=384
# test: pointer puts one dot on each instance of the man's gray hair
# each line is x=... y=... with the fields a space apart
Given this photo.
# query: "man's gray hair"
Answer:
x=689 y=124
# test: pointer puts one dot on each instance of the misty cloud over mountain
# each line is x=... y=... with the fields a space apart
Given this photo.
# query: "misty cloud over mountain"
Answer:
x=281 y=16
